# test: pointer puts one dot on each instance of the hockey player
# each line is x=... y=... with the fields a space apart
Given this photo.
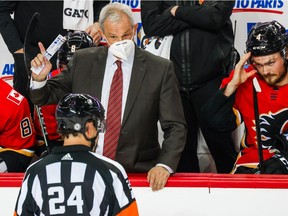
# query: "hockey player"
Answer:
x=73 y=180
x=17 y=135
x=74 y=41
x=235 y=102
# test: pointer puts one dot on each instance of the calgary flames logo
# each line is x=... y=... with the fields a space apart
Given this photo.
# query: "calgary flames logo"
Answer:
x=272 y=124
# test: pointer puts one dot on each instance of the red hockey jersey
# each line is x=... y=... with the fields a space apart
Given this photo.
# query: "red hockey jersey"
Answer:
x=273 y=117
x=16 y=126
x=47 y=113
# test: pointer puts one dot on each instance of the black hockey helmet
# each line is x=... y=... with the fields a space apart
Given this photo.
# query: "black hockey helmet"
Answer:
x=75 y=110
x=74 y=41
x=266 y=38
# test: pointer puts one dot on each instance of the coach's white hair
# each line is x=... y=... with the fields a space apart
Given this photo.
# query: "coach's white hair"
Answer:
x=113 y=12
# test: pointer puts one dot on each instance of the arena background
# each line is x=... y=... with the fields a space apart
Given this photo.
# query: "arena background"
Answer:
x=245 y=14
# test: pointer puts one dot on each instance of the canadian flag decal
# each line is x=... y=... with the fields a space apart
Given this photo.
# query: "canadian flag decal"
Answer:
x=15 y=97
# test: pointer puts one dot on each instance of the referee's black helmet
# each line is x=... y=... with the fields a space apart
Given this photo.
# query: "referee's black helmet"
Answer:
x=266 y=38
x=74 y=41
x=75 y=110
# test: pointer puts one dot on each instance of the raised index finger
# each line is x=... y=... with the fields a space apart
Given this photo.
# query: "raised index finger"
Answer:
x=42 y=48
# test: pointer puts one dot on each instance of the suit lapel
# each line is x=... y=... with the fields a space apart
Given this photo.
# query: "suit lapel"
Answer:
x=98 y=68
x=137 y=76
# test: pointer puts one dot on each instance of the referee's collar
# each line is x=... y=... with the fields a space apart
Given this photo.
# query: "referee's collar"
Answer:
x=70 y=148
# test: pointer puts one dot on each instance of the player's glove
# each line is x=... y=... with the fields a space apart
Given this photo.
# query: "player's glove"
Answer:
x=277 y=164
x=281 y=143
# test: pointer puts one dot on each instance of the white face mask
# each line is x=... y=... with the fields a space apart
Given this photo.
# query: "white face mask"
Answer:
x=122 y=49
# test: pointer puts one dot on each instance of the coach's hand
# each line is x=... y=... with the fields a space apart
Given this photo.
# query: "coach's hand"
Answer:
x=157 y=177
x=38 y=61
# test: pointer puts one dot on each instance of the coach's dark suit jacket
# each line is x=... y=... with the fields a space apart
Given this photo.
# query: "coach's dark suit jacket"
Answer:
x=153 y=95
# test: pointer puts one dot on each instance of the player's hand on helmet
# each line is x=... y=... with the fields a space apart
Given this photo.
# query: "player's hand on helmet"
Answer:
x=157 y=177
x=240 y=75
x=37 y=62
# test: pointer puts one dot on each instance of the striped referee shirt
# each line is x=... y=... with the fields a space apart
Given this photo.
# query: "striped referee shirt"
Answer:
x=72 y=180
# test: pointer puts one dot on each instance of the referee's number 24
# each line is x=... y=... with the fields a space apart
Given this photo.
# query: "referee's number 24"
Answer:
x=75 y=199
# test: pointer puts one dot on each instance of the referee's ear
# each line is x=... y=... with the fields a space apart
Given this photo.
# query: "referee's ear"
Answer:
x=91 y=130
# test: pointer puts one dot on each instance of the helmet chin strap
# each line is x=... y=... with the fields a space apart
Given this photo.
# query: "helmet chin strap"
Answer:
x=92 y=140
x=284 y=55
